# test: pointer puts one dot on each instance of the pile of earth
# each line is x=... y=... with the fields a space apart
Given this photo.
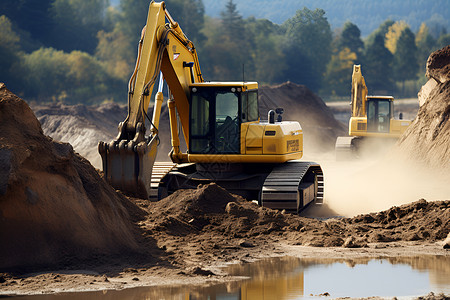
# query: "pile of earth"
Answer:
x=427 y=139
x=84 y=126
x=207 y=223
x=320 y=128
x=54 y=207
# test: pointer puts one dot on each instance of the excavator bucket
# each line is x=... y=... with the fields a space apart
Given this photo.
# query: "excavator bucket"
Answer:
x=128 y=166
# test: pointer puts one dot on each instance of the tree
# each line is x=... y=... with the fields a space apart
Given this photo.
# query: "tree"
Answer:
x=265 y=38
x=351 y=38
x=381 y=30
x=307 y=47
x=226 y=51
x=77 y=23
x=232 y=21
x=9 y=46
x=338 y=77
x=378 y=71
x=115 y=51
x=190 y=14
x=405 y=63
x=133 y=17
x=425 y=44
x=393 y=35
x=443 y=40
x=54 y=75
x=30 y=16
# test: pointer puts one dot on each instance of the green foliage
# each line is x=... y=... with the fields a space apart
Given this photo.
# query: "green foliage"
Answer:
x=133 y=17
x=443 y=40
x=85 y=50
x=338 y=77
x=116 y=53
x=9 y=45
x=77 y=23
x=74 y=77
x=351 y=38
x=307 y=47
x=368 y=15
x=268 y=58
x=393 y=35
x=382 y=30
x=425 y=44
x=30 y=16
x=377 y=67
x=405 y=64
x=190 y=14
x=226 y=52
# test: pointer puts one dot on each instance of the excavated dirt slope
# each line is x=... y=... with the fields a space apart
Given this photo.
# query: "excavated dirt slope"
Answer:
x=320 y=128
x=54 y=207
x=84 y=126
x=427 y=140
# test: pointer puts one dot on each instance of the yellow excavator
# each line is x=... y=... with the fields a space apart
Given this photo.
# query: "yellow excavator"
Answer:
x=226 y=141
x=371 y=122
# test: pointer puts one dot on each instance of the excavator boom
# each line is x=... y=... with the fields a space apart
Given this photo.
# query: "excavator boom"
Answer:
x=128 y=160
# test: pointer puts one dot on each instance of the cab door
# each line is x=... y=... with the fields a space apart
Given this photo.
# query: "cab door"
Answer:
x=378 y=115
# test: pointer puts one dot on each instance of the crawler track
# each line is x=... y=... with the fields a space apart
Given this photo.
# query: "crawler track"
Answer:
x=292 y=186
x=160 y=169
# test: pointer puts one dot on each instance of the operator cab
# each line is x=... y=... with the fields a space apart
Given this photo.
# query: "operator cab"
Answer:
x=379 y=113
x=217 y=111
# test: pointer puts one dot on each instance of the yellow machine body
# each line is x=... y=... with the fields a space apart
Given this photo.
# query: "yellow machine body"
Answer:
x=372 y=118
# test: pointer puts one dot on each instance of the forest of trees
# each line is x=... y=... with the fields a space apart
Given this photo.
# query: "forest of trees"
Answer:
x=83 y=51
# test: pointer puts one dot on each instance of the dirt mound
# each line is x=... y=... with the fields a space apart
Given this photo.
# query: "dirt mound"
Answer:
x=82 y=126
x=300 y=104
x=427 y=139
x=212 y=209
x=54 y=207
x=209 y=221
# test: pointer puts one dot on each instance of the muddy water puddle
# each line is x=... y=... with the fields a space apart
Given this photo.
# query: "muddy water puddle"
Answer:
x=295 y=278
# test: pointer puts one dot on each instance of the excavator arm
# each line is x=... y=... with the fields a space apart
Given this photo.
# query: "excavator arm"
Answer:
x=359 y=93
x=128 y=160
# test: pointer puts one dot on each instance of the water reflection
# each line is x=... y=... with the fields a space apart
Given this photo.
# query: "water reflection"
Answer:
x=295 y=278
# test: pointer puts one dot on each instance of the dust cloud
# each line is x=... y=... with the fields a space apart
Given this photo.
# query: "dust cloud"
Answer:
x=371 y=185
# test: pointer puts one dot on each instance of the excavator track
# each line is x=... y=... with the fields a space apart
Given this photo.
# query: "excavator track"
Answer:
x=160 y=169
x=292 y=186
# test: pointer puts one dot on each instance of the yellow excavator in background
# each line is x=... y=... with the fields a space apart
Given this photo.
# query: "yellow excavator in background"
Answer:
x=226 y=141
x=372 y=121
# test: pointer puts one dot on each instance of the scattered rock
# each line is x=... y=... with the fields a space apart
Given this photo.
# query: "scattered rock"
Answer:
x=202 y=272
x=446 y=243
x=246 y=244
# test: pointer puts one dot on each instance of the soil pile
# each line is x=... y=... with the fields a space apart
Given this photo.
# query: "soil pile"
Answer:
x=54 y=207
x=300 y=104
x=427 y=139
x=203 y=224
x=82 y=126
